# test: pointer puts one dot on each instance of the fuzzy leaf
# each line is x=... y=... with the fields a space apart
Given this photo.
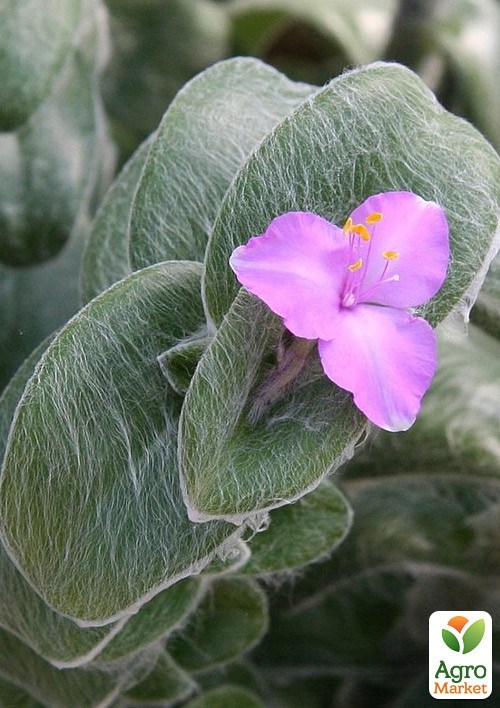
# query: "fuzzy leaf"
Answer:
x=178 y=364
x=226 y=697
x=51 y=166
x=155 y=620
x=91 y=505
x=203 y=139
x=300 y=533
x=231 y=467
x=106 y=256
x=166 y=684
x=486 y=311
x=229 y=621
x=85 y=688
x=35 y=36
x=156 y=49
x=361 y=30
x=371 y=130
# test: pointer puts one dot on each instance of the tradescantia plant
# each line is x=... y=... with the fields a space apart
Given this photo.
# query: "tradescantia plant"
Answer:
x=173 y=448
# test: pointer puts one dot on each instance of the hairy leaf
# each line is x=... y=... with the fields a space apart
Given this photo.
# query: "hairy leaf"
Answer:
x=107 y=255
x=91 y=504
x=166 y=684
x=179 y=363
x=51 y=166
x=156 y=48
x=233 y=467
x=226 y=697
x=36 y=37
x=155 y=619
x=203 y=139
x=300 y=533
x=371 y=130
x=85 y=688
x=229 y=621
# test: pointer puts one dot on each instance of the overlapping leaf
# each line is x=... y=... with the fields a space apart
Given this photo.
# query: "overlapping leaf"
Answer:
x=300 y=533
x=51 y=165
x=327 y=156
x=229 y=622
x=35 y=36
x=107 y=253
x=91 y=505
x=340 y=147
x=205 y=136
x=233 y=467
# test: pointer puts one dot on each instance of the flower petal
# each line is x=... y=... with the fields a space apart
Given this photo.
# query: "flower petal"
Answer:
x=416 y=231
x=297 y=267
x=386 y=358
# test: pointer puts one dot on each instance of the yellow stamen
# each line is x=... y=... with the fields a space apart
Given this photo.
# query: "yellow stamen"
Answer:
x=347 y=226
x=374 y=217
x=362 y=231
x=391 y=255
x=355 y=266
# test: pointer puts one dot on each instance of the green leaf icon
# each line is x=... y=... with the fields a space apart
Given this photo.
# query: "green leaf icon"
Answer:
x=450 y=640
x=473 y=635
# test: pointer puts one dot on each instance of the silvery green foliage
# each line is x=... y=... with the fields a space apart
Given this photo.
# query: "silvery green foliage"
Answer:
x=36 y=36
x=51 y=164
x=327 y=156
x=139 y=494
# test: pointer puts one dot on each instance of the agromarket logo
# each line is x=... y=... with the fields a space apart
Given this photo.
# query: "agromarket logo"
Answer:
x=460 y=655
x=470 y=638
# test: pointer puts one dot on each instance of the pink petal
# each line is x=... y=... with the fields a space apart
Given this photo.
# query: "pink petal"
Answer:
x=297 y=268
x=418 y=231
x=386 y=358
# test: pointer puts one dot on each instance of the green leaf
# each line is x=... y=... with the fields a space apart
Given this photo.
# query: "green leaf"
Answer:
x=229 y=621
x=473 y=635
x=106 y=256
x=486 y=311
x=156 y=49
x=178 y=364
x=51 y=166
x=35 y=302
x=36 y=37
x=85 y=688
x=165 y=684
x=226 y=697
x=22 y=612
x=155 y=619
x=453 y=32
x=300 y=533
x=229 y=560
x=232 y=467
x=14 y=697
x=450 y=640
x=203 y=139
x=361 y=30
x=371 y=130
x=91 y=505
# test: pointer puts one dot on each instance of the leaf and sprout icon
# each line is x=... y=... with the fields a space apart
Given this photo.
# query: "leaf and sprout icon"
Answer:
x=469 y=640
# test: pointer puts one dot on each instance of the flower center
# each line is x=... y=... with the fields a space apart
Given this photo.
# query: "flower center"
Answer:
x=362 y=261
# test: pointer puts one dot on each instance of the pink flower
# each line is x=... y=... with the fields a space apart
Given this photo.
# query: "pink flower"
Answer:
x=351 y=289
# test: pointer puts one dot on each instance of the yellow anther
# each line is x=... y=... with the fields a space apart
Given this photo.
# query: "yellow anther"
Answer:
x=348 y=226
x=362 y=231
x=355 y=266
x=374 y=217
x=391 y=255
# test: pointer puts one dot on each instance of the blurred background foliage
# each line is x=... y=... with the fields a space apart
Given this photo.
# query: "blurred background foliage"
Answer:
x=351 y=629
